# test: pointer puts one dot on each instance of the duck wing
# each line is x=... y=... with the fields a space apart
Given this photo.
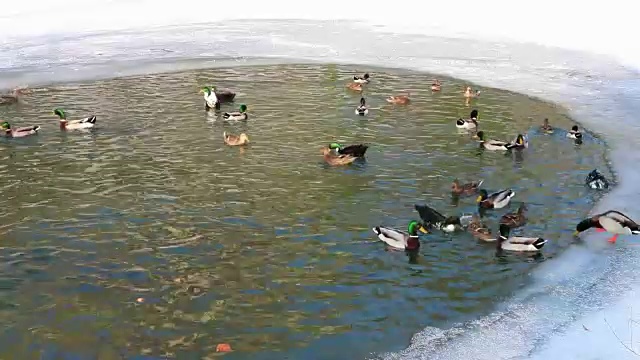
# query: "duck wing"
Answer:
x=89 y=119
x=225 y=95
x=392 y=237
x=620 y=217
x=28 y=128
x=430 y=215
x=501 y=195
x=354 y=150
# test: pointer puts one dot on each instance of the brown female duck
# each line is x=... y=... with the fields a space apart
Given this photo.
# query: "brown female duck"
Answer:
x=515 y=219
x=465 y=189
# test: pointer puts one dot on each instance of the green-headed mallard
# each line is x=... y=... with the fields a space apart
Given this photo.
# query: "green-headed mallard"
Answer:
x=465 y=189
x=362 y=108
x=479 y=230
x=545 y=127
x=19 y=132
x=237 y=115
x=611 y=221
x=398 y=239
x=497 y=200
x=493 y=145
x=518 y=243
x=470 y=123
x=399 y=99
x=432 y=218
x=336 y=159
x=520 y=142
x=235 y=140
x=515 y=219
x=86 y=123
x=361 y=79
x=353 y=150
x=213 y=97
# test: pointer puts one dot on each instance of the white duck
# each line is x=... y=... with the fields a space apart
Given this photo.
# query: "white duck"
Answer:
x=85 y=123
x=398 y=239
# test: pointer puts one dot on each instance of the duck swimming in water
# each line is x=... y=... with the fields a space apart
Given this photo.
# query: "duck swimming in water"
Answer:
x=401 y=240
x=235 y=140
x=361 y=79
x=354 y=86
x=518 y=243
x=575 y=134
x=84 y=123
x=520 y=142
x=352 y=150
x=470 y=123
x=13 y=97
x=494 y=145
x=213 y=98
x=237 y=115
x=479 y=230
x=611 y=221
x=432 y=218
x=515 y=219
x=545 y=127
x=362 y=109
x=335 y=159
x=399 y=99
x=468 y=93
x=435 y=86
x=465 y=189
x=596 y=180
x=18 y=132
x=497 y=200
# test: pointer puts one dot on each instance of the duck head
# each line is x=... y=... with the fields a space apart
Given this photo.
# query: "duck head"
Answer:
x=522 y=208
x=482 y=196
x=362 y=102
x=575 y=128
x=61 y=113
x=366 y=76
x=585 y=225
x=243 y=108
x=504 y=233
x=244 y=138
x=5 y=126
x=207 y=90
x=480 y=135
x=414 y=227
x=545 y=122
x=520 y=140
x=474 y=114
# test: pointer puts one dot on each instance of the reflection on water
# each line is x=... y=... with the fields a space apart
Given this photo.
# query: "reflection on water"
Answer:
x=265 y=248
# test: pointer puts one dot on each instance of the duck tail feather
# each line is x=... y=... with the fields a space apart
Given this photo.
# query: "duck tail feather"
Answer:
x=538 y=244
x=635 y=232
x=480 y=183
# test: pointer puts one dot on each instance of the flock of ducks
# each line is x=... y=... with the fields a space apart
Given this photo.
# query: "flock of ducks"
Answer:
x=337 y=154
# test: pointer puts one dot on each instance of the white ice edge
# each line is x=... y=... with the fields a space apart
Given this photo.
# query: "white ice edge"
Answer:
x=71 y=39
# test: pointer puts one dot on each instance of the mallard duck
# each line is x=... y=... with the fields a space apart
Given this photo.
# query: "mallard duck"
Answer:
x=237 y=115
x=213 y=98
x=235 y=140
x=331 y=158
x=520 y=142
x=468 y=93
x=479 y=230
x=465 y=189
x=354 y=86
x=13 y=97
x=518 y=243
x=361 y=79
x=433 y=218
x=545 y=127
x=19 y=132
x=596 y=180
x=398 y=239
x=575 y=133
x=470 y=123
x=515 y=219
x=435 y=86
x=353 y=150
x=362 y=109
x=497 y=200
x=85 y=123
x=399 y=99
x=611 y=221
x=493 y=145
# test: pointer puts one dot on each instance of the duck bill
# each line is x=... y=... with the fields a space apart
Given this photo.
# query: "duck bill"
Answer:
x=423 y=230
x=479 y=199
x=576 y=233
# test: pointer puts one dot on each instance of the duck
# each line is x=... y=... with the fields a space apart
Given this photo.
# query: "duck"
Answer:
x=596 y=180
x=468 y=93
x=353 y=150
x=520 y=142
x=470 y=123
x=518 y=243
x=237 y=115
x=19 y=132
x=611 y=221
x=333 y=159
x=362 y=109
x=575 y=133
x=493 y=145
x=354 y=86
x=497 y=200
x=213 y=98
x=85 y=123
x=398 y=239
x=465 y=189
x=399 y=99
x=545 y=127
x=433 y=218
x=13 y=97
x=515 y=219
x=435 y=85
x=361 y=79
x=235 y=140
x=479 y=230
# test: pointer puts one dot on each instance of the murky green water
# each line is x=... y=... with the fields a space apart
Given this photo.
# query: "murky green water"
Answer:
x=264 y=248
